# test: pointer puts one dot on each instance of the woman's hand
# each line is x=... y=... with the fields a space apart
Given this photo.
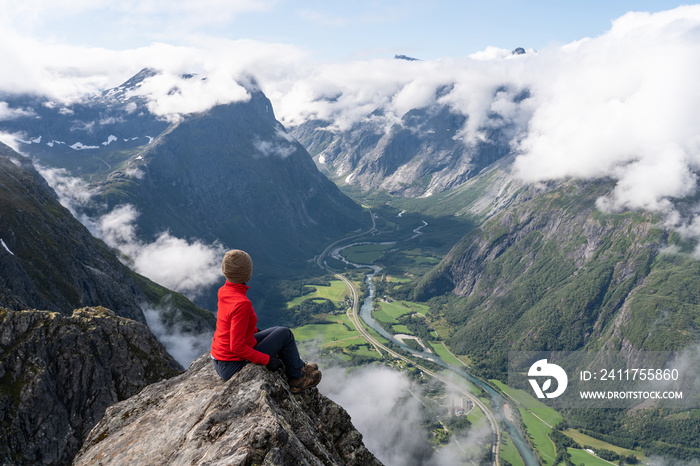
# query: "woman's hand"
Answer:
x=274 y=364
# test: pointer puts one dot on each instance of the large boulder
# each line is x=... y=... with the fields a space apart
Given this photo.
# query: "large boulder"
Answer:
x=253 y=418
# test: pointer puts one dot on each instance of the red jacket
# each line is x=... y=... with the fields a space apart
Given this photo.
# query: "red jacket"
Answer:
x=236 y=322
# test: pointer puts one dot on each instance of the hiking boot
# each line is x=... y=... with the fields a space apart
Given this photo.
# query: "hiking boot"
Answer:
x=306 y=381
x=309 y=368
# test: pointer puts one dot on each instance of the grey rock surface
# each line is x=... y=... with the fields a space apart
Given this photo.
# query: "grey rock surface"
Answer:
x=58 y=375
x=253 y=418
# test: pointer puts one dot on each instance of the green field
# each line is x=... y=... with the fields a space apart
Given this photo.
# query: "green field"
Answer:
x=366 y=253
x=401 y=329
x=336 y=292
x=587 y=441
x=538 y=430
x=418 y=256
x=390 y=312
x=539 y=436
x=544 y=412
x=478 y=418
x=583 y=457
x=508 y=451
x=396 y=279
x=441 y=350
x=377 y=336
x=333 y=331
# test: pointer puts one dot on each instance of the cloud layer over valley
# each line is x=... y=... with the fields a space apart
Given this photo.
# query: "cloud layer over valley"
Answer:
x=186 y=266
x=623 y=105
x=385 y=406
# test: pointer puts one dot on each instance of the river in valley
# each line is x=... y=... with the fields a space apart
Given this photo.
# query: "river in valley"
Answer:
x=498 y=402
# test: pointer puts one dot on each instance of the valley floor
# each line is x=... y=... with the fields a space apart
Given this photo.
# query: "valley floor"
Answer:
x=341 y=338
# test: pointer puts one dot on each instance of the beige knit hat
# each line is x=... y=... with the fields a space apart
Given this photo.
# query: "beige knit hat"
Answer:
x=237 y=266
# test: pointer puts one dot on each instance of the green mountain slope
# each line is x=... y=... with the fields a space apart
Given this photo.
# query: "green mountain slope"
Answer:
x=551 y=272
x=50 y=261
x=232 y=175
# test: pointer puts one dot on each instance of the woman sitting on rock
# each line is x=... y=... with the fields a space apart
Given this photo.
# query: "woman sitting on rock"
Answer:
x=237 y=339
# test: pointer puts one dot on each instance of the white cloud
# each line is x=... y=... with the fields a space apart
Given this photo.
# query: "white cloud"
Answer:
x=171 y=94
x=283 y=147
x=623 y=97
x=8 y=113
x=185 y=347
x=179 y=264
x=491 y=53
x=134 y=173
x=11 y=140
x=383 y=410
x=67 y=73
x=188 y=267
x=623 y=105
x=73 y=193
x=117 y=229
x=661 y=461
x=384 y=407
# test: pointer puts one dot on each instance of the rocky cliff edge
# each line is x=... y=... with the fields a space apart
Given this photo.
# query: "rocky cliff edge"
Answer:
x=58 y=375
x=253 y=418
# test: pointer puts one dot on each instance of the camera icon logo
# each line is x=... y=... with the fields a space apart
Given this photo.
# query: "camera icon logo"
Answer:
x=542 y=369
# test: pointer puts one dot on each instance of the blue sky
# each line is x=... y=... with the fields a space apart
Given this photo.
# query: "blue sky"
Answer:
x=327 y=30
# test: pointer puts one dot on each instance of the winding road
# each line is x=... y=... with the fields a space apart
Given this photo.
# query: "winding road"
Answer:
x=353 y=314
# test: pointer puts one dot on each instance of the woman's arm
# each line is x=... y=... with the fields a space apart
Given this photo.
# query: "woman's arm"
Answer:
x=240 y=321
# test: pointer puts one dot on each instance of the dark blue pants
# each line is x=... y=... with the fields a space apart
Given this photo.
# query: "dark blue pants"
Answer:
x=274 y=341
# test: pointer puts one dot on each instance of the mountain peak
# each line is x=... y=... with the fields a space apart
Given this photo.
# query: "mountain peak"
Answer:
x=251 y=419
x=404 y=57
x=140 y=77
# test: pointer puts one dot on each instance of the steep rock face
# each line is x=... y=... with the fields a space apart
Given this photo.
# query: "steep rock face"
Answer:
x=59 y=374
x=253 y=418
x=50 y=261
x=551 y=272
x=422 y=154
x=233 y=175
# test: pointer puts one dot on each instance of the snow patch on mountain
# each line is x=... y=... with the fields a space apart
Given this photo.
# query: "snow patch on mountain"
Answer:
x=36 y=140
x=5 y=246
x=81 y=146
x=109 y=140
